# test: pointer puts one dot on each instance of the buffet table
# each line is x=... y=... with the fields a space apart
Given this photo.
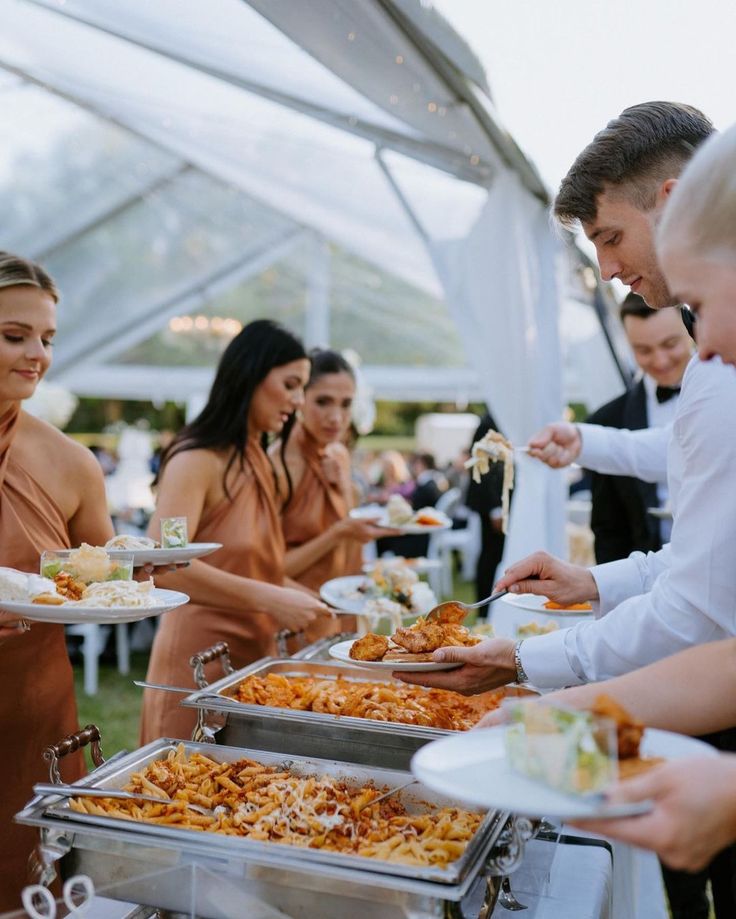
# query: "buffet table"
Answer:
x=567 y=879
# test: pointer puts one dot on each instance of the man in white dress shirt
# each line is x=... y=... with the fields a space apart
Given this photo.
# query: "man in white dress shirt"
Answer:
x=647 y=606
x=617 y=188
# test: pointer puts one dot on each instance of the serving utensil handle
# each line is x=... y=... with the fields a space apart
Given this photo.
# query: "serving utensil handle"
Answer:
x=199 y=660
x=88 y=735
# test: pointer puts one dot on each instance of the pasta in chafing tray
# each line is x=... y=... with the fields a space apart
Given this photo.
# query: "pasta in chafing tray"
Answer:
x=394 y=702
x=494 y=448
x=270 y=803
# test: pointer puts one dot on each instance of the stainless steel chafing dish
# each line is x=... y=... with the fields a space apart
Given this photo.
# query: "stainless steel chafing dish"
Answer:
x=264 y=879
x=359 y=740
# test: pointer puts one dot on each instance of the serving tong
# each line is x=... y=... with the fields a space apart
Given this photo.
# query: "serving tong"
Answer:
x=83 y=791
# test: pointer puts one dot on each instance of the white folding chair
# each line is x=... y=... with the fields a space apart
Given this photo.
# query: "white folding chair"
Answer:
x=93 y=644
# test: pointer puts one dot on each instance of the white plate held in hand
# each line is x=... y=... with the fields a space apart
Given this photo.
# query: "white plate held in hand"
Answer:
x=68 y=614
x=158 y=556
x=473 y=768
x=341 y=652
x=380 y=516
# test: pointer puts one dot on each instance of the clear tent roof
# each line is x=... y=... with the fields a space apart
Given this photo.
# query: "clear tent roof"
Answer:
x=180 y=167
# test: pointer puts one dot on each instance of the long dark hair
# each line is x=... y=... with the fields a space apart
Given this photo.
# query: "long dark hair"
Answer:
x=223 y=423
x=324 y=362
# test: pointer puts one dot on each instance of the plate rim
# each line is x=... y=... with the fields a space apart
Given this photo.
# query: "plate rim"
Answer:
x=144 y=556
x=97 y=615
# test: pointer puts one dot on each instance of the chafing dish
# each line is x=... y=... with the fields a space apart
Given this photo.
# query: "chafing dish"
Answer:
x=146 y=863
x=224 y=719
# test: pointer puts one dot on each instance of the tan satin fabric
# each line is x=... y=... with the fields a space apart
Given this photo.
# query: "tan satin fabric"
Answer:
x=37 y=704
x=315 y=505
x=253 y=547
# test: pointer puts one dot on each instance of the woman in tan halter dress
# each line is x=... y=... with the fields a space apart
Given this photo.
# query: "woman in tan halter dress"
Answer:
x=217 y=474
x=322 y=541
x=44 y=504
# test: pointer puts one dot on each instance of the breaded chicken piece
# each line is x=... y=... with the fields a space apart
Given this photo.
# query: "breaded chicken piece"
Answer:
x=369 y=648
x=427 y=636
x=628 y=728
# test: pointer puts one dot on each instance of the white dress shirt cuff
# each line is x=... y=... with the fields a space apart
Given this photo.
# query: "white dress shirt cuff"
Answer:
x=595 y=446
x=616 y=582
x=545 y=662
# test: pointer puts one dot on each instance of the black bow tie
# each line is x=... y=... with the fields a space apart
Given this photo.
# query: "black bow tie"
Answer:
x=665 y=393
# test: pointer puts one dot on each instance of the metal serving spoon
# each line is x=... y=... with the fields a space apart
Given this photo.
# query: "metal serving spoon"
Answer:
x=387 y=794
x=449 y=604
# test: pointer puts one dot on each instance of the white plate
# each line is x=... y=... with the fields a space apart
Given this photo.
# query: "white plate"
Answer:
x=338 y=593
x=74 y=615
x=472 y=767
x=341 y=652
x=536 y=603
x=158 y=556
x=361 y=513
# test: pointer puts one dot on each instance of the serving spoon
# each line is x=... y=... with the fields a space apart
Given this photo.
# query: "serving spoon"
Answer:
x=436 y=612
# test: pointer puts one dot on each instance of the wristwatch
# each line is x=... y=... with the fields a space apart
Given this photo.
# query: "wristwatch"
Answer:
x=521 y=676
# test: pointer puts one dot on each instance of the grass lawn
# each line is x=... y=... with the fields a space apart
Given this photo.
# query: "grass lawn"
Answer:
x=116 y=708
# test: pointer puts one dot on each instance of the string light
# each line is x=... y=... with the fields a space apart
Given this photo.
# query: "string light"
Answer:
x=216 y=326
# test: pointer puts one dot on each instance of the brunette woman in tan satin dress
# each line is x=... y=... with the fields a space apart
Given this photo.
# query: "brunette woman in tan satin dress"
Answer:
x=217 y=474
x=44 y=504
x=322 y=541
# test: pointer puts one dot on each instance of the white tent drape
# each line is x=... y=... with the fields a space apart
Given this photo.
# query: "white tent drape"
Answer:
x=501 y=284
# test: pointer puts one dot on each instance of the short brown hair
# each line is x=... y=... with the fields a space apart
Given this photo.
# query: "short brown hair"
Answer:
x=646 y=145
x=634 y=305
x=15 y=271
x=703 y=206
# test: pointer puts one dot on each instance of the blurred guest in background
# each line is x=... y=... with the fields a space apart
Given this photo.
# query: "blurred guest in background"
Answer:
x=662 y=348
x=484 y=498
x=428 y=481
x=394 y=478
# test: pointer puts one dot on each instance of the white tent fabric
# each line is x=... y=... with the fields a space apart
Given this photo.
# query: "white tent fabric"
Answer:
x=505 y=278
x=336 y=165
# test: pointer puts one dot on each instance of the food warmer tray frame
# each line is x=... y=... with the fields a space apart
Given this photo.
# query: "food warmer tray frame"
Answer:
x=388 y=744
x=112 y=848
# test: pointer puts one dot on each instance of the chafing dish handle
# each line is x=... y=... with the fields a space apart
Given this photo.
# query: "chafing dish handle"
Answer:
x=199 y=660
x=88 y=735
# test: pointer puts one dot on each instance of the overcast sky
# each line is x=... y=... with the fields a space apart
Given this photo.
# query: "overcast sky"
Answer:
x=560 y=69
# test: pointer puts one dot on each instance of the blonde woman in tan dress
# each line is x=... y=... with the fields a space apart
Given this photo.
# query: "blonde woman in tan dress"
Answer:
x=43 y=505
x=322 y=541
x=217 y=474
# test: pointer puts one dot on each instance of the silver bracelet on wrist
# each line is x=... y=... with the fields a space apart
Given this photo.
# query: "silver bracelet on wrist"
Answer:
x=521 y=676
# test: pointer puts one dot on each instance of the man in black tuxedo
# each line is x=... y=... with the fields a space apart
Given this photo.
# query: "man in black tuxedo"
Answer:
x=662 y=348
x=426 y=487
x=484 y=498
